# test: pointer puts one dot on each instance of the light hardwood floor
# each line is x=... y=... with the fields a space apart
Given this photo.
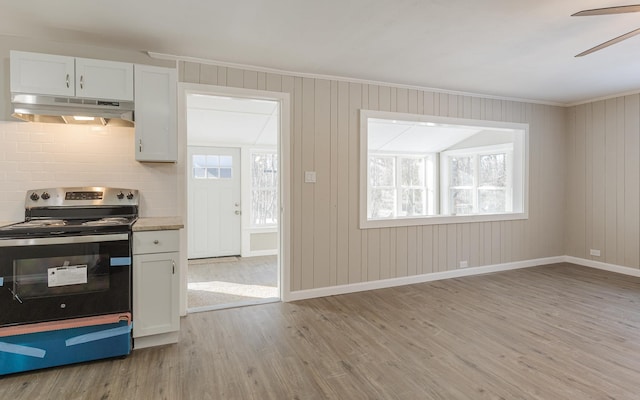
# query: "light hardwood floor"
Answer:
x=231 y=280
x=553 y=332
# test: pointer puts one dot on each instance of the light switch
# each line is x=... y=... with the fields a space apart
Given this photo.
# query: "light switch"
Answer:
x=310 y=176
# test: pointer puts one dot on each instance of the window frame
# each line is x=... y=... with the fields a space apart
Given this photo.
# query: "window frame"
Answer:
x=522 y=173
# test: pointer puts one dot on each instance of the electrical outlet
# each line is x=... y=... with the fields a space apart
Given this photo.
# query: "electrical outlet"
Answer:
x=595 y=252
x=464 y=264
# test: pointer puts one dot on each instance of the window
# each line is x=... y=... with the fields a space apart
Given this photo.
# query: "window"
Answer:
x=418 y=169
x=400 y=185
x=212 y=167
x=477 y=181
x=264 y=189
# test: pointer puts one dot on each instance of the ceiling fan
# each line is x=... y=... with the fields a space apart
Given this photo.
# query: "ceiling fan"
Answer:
x=605 y=11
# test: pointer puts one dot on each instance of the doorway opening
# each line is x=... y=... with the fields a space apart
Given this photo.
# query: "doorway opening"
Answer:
x=233 y=201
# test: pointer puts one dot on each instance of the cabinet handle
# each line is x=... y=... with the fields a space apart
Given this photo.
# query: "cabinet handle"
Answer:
x=67 y=80
x=173 y=267
x=140 y=145
x=156 y=241
x=81 y=81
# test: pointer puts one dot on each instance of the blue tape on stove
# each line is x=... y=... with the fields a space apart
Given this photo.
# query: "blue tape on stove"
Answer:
x=94 y=336
x=120 y=261
x=1 y=281
x=22 y=350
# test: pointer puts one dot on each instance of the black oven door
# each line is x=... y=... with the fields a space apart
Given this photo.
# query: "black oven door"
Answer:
x=54 y=278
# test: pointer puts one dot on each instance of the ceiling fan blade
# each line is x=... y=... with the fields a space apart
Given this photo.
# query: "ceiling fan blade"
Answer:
x=610 y=42
x=608 y=10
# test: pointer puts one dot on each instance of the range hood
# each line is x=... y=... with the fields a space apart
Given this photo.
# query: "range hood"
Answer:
x=71 y=110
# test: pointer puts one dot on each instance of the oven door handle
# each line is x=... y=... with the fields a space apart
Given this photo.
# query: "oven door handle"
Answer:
x=64 y=240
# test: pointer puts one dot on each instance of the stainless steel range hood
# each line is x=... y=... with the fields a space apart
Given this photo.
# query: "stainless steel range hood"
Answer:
x=71 y=110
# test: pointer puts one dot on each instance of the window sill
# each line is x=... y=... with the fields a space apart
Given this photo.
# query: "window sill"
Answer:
x=441 y=220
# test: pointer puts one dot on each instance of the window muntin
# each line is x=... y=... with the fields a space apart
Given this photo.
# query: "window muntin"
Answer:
x=471 y=170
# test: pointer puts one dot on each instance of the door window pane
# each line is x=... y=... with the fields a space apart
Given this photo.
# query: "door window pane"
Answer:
x=226 y=161
x=208 y=166
x=225 y=173
x=213 y=173
x=200 y=173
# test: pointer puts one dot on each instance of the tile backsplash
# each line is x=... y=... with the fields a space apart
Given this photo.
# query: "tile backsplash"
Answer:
x=39 y=155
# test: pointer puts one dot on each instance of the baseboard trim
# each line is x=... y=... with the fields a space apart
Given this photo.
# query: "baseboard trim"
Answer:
x=603 y=266
x=408 y=280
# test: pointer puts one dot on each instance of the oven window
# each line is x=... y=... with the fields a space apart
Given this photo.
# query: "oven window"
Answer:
x=55 y=276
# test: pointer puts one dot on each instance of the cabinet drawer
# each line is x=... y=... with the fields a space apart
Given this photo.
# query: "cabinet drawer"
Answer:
x=155 y=242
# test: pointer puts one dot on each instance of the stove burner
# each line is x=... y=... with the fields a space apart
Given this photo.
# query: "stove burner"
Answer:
x=41 y=223
x=107 y=221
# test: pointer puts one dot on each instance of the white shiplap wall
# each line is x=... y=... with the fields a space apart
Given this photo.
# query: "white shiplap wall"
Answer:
x=603 y=192
x=328 y=249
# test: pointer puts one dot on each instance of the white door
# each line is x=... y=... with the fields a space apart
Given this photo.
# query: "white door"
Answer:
x=214 y=202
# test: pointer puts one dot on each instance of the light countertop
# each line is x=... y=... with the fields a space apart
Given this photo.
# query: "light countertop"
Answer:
x=157 y=224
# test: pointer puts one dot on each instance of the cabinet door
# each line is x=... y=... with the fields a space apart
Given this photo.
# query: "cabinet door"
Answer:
x=155 y=294
x=36 y=73
x=108 y=80
x=155 y=115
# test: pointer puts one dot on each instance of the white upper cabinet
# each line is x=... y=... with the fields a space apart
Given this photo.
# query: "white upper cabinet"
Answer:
x=99 y=79
x=49 y=74
x=155 y=115
x=42 y=74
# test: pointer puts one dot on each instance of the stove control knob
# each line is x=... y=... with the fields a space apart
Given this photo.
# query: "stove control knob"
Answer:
x=120 y=195
x=34 y=196
x=130 y=196
x=45 y=196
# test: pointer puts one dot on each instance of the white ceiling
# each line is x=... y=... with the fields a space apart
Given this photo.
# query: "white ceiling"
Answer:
x=215 y=120
x=412 y=136
x=518 y=49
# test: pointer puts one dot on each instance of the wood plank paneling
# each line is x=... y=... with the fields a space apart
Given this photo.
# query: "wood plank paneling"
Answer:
x=328 y=248
x=333 y=216
x=322 y=189
x=610 y=183
x=632 y=177
x=598 y=179
x=307 y=204
x=603 y=171
x=620 y=166
x=296 y=192
x=209 y=74
x=355 y=237
x=190 y=72
x=250 y=80
x=235 y=77
x=343 y=184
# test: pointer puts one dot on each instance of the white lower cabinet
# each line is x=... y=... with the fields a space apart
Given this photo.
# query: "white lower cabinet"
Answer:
x=156 y=318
